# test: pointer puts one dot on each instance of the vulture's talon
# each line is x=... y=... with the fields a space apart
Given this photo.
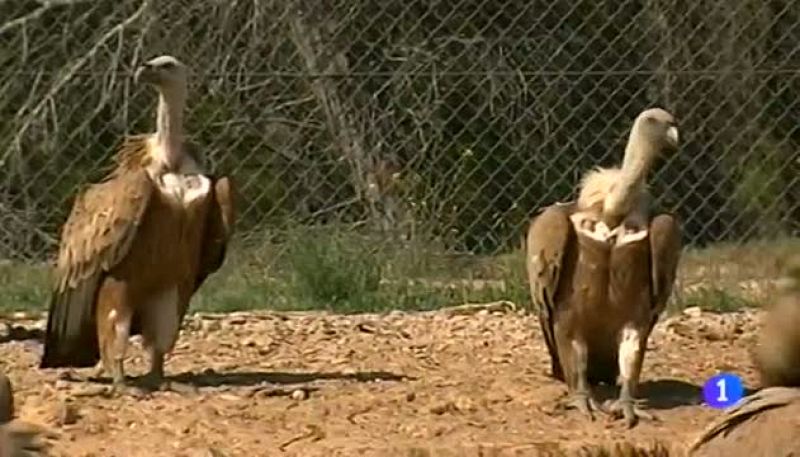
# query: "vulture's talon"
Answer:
x=630 y=411
x=96 y=372
x=584 y=403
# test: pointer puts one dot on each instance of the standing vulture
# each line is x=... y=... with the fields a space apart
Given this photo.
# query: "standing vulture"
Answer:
x=601 y=270
x=137 y=245
x=766 y=423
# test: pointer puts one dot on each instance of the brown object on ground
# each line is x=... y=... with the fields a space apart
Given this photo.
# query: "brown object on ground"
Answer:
x=6 y=399
x=17 y=438
x=777 y=355
x=601 y=270
x=21 y=439
x=139 y=244
x=766 y=423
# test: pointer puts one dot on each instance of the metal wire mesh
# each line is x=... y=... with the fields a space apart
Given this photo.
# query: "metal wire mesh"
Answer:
x=451 y=120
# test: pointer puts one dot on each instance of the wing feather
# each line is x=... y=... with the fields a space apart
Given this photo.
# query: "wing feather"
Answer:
x=96 y=236
x=665 y=249
x=219 y=228
x=548 y=238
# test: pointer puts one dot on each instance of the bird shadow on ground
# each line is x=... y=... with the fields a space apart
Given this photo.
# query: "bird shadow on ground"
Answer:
x=243 y=379
x=659 y=394
x=213 y=379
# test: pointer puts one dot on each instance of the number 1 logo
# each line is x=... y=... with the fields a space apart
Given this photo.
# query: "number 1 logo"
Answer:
x=723 y=390
x=722 y=398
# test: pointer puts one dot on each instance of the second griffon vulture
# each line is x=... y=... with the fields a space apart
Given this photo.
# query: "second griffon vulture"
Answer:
x=137 y=245
x=601 y=269
x=767 y=422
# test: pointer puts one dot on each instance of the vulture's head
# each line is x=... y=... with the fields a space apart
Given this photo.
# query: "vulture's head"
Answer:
x=658 y=128
x=165 y=72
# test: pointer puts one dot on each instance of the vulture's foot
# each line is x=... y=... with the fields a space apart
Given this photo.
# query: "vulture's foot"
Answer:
x=120 y=385
x=154 y=382
x=583 y=402
x=630 y=411
x=97 y=371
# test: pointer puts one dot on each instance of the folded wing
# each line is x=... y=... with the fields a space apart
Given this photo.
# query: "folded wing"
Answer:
x=97 y=235
x=548 y=239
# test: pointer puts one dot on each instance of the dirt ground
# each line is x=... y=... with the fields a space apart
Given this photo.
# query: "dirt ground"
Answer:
x=416 y=384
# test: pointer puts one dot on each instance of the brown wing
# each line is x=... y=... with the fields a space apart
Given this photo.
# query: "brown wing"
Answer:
x=97 y=235
x=219 y=228
x=548 y=239
x=665 y=251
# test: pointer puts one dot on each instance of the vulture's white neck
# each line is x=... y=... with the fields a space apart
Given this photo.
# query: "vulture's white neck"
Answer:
x=640 y=154
x=169 y=126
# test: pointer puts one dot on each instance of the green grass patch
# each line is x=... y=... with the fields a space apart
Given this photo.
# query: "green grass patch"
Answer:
x=349 y=272
x=330 y=269
x=713 y=299
x=23 y=287
x=345 y=271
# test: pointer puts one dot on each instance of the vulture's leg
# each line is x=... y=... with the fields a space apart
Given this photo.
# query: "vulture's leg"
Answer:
x=154 y=379
x=631 y=358
x=114 y=316
x=120 y=344
x=158 y=322
x=98 y=370
x=163 y=325
x=576 y=366
x=582 y=398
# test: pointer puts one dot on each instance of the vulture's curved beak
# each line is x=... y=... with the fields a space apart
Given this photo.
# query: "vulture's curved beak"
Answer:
x=672 y=136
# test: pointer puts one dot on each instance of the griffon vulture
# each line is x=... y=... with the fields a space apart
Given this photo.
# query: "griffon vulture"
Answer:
x=601 y=269
x=766 y=423
x=137 y=245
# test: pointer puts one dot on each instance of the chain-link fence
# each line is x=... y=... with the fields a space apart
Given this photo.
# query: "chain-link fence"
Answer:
x=443 y=120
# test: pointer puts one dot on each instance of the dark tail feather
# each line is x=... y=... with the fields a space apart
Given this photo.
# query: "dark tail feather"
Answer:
x=71 y=337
